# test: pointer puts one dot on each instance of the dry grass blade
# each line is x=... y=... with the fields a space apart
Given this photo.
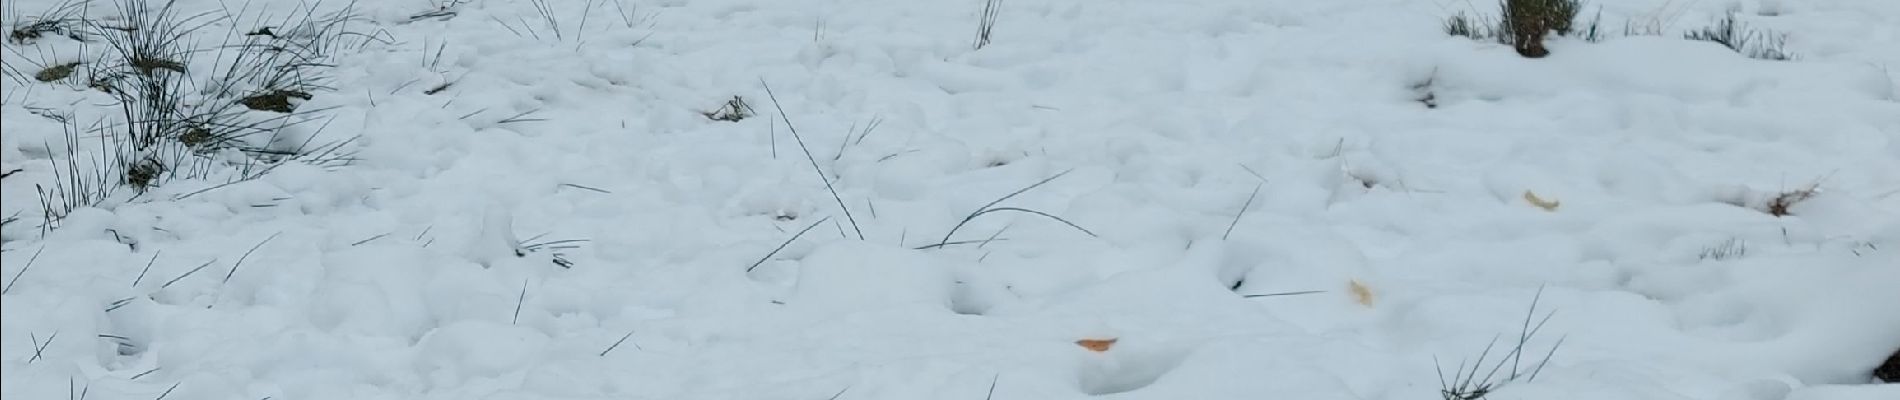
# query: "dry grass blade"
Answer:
x=247 y=254
x=519 y=300
x=1283 y=294
x=623 y=338
x=788 y=242
x=1243 y=212
x=29 y=265
x=1466 y=384
x=986 y=208
x=814 y=160
x=986 y=24
x=148 y=268
x=187 y=274
x=39 y=348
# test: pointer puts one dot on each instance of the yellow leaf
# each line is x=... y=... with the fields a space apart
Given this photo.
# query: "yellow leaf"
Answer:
x=1096 y=345
x=1547 y=205
x=1360 y=292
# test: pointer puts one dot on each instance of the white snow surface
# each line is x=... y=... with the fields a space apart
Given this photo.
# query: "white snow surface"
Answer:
x=396 y=277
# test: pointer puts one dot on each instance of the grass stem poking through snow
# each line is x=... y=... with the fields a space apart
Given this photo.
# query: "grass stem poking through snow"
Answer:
x=187 y=274
x=519 y=300
x=987 y=208
x=623 y=339
x=39 y=348
x=1243 y=212
x=1282 y=294
x=247 y=254
x=813 y=160
x=986 y=24
x=148 y=268
x=788 y=242
x=168 y=391
x=81 y=391
x=29 y=265
x=1752 y=43
x=1465 y=384
x=1728 y=249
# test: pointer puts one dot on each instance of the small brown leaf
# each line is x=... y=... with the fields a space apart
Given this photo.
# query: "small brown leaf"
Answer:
x=1096 y=345
x=1547 y=205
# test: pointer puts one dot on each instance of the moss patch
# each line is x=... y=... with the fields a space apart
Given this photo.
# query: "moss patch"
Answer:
x=56 y=73
x=275 y=100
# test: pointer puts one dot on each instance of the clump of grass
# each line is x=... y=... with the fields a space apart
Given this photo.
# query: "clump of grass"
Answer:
x=734 y=110
x=1729 y=249
x=67 y=18
x=1528 y=22
x=80 y=181
x=1782 y=204
x=1462 y=24
x=554 y=247
x=1750 y=42
x=173 y=121
x=986 y=23
x=1889 y=371
x=1525 y=24
x=1466 y=384
x=144 y=174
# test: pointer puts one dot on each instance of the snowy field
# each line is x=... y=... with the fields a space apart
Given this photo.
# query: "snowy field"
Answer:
x=1251 y=199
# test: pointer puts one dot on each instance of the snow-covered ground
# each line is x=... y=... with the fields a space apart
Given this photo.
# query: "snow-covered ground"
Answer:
x=1207 y=150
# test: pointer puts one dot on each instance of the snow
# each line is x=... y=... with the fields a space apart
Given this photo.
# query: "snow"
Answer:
x=412 y=273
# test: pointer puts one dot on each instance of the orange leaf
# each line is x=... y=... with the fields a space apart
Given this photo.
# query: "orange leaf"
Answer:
x=1360 y=293
x=1096 y=345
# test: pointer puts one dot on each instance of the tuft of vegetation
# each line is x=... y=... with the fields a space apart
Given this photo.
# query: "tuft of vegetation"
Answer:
x=1750 y=42
x=1727 y=250
x=180 y=117
x=67 y=19
x=1525 y=24
x=734 y=110
x=1466 y=384
x=986 y=23
x=1782 y=205
x=1889 y=371
x=56 y=72
x=1469 y=26
x=1528 y=22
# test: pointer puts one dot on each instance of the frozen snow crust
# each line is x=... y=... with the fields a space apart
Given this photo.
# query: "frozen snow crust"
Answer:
x=395 y=277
